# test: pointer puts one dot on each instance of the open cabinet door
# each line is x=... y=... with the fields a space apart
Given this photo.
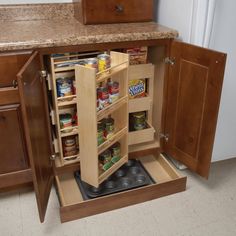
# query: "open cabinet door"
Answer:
x=33 y=97
x=193 y=96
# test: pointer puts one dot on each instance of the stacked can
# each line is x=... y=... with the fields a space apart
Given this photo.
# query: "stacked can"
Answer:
x=64 y=87
x=104 y=62
x=110 y=157
x=105 y=130
x=114 y=91
x=70 y=146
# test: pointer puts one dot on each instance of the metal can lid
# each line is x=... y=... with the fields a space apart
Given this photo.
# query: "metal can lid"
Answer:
x=103 y=56
x=92 y=61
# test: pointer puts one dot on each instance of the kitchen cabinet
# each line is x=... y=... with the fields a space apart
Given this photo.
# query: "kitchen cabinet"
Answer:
x=184 y=105
x=14 y=169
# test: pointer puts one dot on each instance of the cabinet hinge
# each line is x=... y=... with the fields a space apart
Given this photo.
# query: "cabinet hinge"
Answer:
x=53 y=157
x=170 y=61
x=164 y=136
x=43 y=73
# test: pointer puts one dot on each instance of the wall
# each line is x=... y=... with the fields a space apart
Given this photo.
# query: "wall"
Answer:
x=189 y=17
x=223 y=38
x=31 y=1
x=176 y=14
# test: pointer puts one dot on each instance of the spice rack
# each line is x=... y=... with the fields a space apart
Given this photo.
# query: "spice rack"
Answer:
x=87 y=82
x=136 y=72
x=62 y=66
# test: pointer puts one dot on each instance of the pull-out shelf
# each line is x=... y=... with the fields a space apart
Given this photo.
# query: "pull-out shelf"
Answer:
x=168 y=181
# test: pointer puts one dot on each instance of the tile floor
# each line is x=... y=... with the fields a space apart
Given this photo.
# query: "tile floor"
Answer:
x=205 y=208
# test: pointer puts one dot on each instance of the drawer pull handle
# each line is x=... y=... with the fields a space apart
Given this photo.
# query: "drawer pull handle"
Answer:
x=14 y=83
x=119 y=8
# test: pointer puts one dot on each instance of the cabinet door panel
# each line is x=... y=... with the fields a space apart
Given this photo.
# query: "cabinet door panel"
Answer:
x=193 y=98
x=13 y=155
x=33 y=97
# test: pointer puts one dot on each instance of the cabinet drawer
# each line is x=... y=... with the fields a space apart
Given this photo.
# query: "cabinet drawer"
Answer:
x=168 y=181
x=115 y=11
x=9 y=95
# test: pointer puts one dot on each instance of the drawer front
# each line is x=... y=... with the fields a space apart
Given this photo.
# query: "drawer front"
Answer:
x=167 y=179
x=115 y=11
x=9 y=95
x=141 y=136
x=10 y=65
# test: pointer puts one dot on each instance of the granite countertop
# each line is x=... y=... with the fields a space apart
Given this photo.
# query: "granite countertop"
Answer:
x=32 y=34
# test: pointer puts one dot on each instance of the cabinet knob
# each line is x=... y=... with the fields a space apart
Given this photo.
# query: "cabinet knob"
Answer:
x=119 y=8
x=14 y=83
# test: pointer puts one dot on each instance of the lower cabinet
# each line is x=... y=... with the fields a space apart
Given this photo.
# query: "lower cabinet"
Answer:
x=14 y=168
x=170 y=108
x=14 y=161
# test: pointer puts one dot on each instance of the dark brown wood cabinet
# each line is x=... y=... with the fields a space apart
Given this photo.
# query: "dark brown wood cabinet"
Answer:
x=187 y=89
x=14 y=169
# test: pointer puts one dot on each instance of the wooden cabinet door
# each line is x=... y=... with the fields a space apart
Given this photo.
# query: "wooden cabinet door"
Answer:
x=34 y=105
x=193 y=97
x=13 y=154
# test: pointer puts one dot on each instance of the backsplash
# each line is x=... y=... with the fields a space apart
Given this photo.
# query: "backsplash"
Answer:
x=23 y=12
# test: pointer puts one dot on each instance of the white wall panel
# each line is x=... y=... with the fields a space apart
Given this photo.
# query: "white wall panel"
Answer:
x=224 y=39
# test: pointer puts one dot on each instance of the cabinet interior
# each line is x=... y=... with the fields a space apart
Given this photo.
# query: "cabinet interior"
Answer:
x=152 y=103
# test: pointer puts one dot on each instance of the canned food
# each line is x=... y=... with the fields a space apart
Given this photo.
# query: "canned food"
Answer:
x=104 y=62
x=69 y=141
x=116 y=152
x=92 y=63
x=69 y=146
x=109 y=127
x=65 y=121
x=103 y=95
x=113 y=88
x=105 y=160
x=64 y=87
x=100 y=134
x=139 y=120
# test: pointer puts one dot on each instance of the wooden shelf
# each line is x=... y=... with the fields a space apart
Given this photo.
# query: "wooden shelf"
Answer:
x=115 y=138
x=75 y=130
x=70 y=158
x=141 y=136
x=111 y=108
x=66 y=103
x=140 y=104
x=141 y=71
x=102 y=76
x=113 y=168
